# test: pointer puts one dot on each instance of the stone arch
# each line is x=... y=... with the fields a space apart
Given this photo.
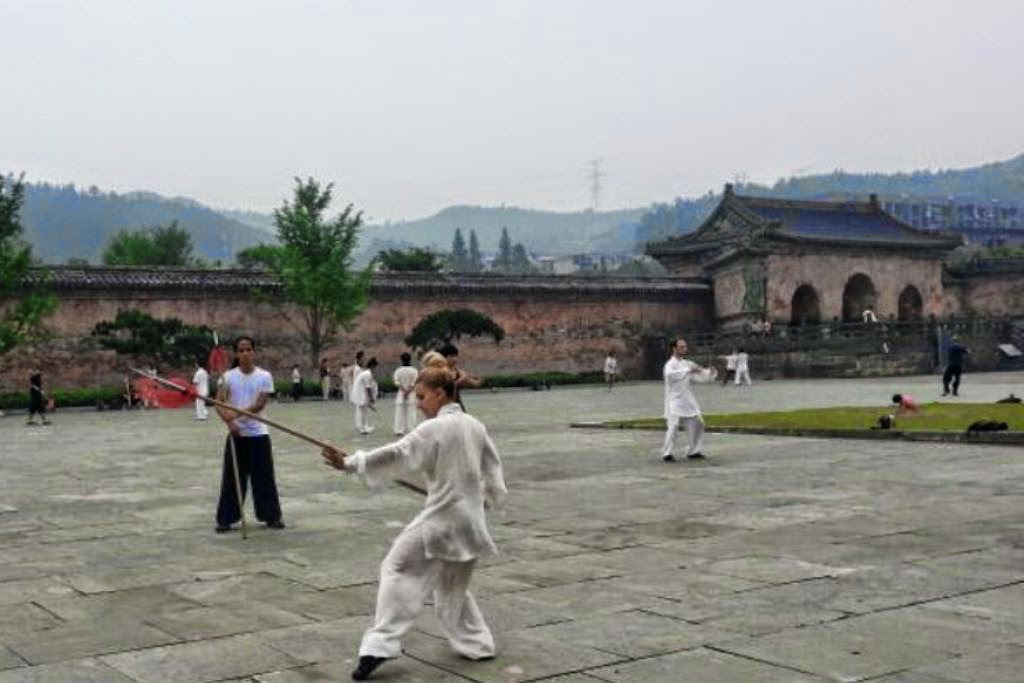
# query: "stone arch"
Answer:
x=805 y=306
x=910 y=305
x=858 y=294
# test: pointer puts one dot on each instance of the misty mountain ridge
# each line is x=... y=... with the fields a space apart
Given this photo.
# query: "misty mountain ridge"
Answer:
x=62 y=222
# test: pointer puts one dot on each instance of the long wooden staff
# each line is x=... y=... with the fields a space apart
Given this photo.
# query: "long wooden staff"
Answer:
x=191 y=392
x=238 y=486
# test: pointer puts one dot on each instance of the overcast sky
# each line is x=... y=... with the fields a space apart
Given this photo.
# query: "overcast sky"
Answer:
x=413 y=105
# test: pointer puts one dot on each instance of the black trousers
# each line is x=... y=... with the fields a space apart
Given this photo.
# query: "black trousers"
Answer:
x=255 y=462
x=952 y=374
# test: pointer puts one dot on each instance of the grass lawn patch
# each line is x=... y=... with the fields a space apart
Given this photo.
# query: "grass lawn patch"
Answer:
x=952 y=417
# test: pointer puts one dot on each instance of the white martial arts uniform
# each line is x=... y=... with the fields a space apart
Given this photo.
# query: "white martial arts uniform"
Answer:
x=201 y=382
x=681 y=404
x=742 y=368
x=436 y=552
x=348 y=375
x=362 y=382
x=405 y=408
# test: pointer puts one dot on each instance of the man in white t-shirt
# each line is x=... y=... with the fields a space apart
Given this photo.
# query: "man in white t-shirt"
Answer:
x=611 y=369
x=364 y=396
x=201 y=382
x=680 y=403
x=730 y=366
x=405 y=397
x=247 y=387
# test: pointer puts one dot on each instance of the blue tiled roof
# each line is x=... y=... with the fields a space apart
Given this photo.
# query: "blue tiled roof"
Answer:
x=836 y=220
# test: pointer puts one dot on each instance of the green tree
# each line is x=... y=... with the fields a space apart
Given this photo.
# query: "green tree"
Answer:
x=259 y=257
x=459 y=260
x=314 y=264
x=448 y=325
x=77 y=262
x=520 y=259
x=476 y=261
x=167 y=245
x=503 y=261
x=416 y=259
x=23 y=296
x=167 y=342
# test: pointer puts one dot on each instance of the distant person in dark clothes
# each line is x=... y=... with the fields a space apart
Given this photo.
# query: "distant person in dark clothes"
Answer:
x=954 y=367
x=247 y=387
x=36 y=398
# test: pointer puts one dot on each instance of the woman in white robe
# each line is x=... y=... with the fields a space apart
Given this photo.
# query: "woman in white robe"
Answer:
x=436 y=552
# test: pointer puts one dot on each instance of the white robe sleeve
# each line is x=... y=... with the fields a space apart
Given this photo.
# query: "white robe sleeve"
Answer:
x=381 y=465
x=493 y=475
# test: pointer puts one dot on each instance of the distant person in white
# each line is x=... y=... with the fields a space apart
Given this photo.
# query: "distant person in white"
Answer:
x=201 y=382
x=364 y=396
x=405 y=398
x=611 y=369
x=742 y=367
x=680 y=403
x=730 y=366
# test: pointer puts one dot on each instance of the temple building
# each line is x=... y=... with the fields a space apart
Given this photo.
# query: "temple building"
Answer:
x=806 y=262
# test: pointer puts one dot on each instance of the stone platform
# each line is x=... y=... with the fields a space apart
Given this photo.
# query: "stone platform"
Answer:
x=778 y=559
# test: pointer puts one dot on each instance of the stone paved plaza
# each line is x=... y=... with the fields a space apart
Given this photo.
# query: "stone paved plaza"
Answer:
x=778 y=559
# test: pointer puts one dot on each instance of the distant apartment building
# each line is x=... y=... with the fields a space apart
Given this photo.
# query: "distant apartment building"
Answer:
x=986 y=222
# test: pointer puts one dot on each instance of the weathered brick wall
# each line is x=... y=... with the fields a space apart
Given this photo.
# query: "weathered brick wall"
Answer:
x=992 y=294
x=828 y=273
x=550 y=323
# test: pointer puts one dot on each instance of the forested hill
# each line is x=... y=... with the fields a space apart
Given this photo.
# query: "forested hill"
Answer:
x=544 y=232
x=1002 y=180
x=62 y=222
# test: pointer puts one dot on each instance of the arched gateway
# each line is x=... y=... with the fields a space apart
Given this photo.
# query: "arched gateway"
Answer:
x=910 y=306
x=858 y=295
x=805 y=308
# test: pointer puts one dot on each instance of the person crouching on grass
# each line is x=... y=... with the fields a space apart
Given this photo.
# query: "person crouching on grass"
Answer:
x=435 y=554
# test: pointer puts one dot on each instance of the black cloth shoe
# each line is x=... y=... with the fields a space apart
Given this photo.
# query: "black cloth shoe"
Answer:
x=668 y=458
x=696 y=456
x=276 y=524
x=367 y=665
x=223 y=528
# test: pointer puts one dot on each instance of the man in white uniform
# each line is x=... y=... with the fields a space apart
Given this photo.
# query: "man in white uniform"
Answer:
x=405 y=398
x=680 y=403
x=435 y=554
x=364 y=396
x=742 y=368
x=201 y=382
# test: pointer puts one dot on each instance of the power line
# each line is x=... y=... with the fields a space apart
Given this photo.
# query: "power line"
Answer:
x=595 y=176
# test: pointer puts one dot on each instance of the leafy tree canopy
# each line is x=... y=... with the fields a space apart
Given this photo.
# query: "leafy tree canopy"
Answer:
x=314 y=264
x=27 y=305
x=160 y=246
x=168 y=342
x=448 y=325
x=413 y=259
x=259 y=257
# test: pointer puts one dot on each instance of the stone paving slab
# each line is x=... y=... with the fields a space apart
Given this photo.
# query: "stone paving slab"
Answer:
x=79 y=671
x=205 y=660
x=773 y=561
x=701 y=665
x=85 y=639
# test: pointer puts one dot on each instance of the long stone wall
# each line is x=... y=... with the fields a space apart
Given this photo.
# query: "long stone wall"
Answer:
x=551 y=323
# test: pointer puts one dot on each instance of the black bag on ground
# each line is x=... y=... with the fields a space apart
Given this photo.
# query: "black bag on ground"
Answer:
x=987 y=426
